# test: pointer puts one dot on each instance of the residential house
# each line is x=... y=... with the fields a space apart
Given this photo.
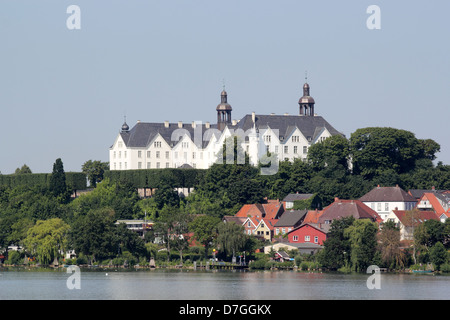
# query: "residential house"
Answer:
x=250 y=224
x=265 y=228
x=291 y=198
x=303 y=248
x=438 y=203
x=307 y=233
x=273 y=209
x=312 y=217
x=385 y=199
x=345 y=208
x=418 y=193
x=408 y=222
x=289 y=221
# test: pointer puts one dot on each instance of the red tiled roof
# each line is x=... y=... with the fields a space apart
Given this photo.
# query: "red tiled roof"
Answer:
x=437 y=207
x=421 y=215
x=270 y=223
x=272 y=208
x=312 y=216
x=268 y=210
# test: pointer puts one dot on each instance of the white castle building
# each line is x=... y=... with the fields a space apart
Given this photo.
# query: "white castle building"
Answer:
x=172 y=145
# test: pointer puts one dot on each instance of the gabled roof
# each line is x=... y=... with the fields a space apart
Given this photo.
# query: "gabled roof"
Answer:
x=421 y=216
x=297 y=196
x=418 y=193
x=144 y=132
x=312 y=217
x=310 y=225
x=387 y=194
x=435 y=203
x=345 y=208
x=310 y=126
x=269 y=223
x=291 y=218
x=237 y=220
x=273 y=209
x=270 y=210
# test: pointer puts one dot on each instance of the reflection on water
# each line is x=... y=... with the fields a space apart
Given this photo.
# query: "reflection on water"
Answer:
x=218 y=285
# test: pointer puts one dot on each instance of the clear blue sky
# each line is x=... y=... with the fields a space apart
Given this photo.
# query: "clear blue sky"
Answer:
x=64 y=93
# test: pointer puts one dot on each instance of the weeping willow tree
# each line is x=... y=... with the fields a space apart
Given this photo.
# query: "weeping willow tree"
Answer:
x=231 y=238
x=46 y=240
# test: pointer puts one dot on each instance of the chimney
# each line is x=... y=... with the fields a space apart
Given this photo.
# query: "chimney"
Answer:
x=207 y=125
x=234 y=122
x=166 y=124
x=433 y=188
x=180 y=124
x=193 y=124
x=253 y=117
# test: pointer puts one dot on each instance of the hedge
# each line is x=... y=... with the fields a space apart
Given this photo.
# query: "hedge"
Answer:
x=75 y=180
x=152 y=178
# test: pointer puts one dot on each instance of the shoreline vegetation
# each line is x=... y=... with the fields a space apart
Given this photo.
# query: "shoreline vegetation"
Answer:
x=252 y=266
x=41 y=221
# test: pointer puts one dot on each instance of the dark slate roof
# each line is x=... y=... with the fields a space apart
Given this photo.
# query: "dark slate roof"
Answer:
x=144 y=132
x=418 y=193
x=297 y=196
x=387 y=194
x=291 y=218
x=310 y=126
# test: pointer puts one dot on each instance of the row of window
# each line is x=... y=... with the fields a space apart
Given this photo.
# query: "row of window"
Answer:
x=267 y=138
x=158 y=155
x=307 y=239
x=286 y=149
x=119 y=166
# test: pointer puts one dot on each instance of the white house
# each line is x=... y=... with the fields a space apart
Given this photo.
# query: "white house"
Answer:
x=171 y=145
x=385 y=199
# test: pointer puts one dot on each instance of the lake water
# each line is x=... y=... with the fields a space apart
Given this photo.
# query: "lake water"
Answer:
x=217 y=285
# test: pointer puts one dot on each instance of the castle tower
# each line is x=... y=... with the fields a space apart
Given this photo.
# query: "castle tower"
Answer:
x=306 y=103
x=223 y=111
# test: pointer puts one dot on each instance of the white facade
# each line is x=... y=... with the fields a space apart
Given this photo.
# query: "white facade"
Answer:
x=173 y=145
x=158 y=153
x=384 y=208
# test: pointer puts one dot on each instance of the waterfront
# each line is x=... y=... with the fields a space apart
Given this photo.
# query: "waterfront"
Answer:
x=218 y=285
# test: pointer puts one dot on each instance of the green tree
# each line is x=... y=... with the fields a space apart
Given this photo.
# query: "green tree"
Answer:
x=93 y=234
x=58 y=186
x=438 y=255
x=335 y=149
x=362 y=235
x=336 y=251
x=430 y=232
x=374 y=150
x=205 y=230
x=173 y=225
x=94 y=171
x=129 y=241
x=23 y=170
x=231 y=238
x=47 y=239
x=389 y=246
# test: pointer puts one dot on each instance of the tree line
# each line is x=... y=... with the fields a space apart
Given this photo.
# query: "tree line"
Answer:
x=44 y=220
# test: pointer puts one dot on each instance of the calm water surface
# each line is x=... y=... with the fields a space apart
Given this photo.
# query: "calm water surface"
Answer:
x=217 y=285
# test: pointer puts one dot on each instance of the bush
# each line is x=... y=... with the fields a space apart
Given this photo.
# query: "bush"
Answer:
x=14 y=258
x=259 y=264
x=81 y=260
x=445 y=267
